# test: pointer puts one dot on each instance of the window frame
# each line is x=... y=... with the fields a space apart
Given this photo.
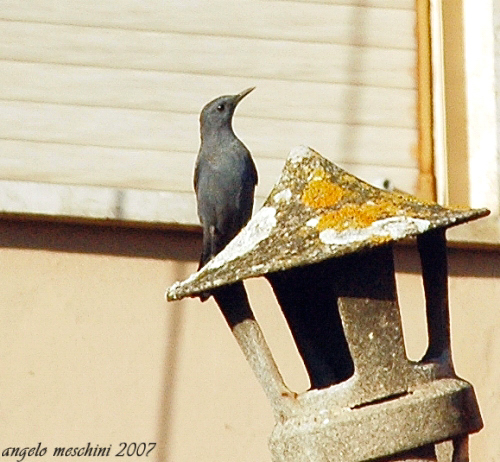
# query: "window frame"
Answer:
x=465 y=125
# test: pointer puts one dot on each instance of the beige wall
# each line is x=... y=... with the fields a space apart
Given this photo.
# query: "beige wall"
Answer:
x=91 y=352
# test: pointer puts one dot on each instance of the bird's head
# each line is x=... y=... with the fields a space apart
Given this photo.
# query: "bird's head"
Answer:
x=218 y=113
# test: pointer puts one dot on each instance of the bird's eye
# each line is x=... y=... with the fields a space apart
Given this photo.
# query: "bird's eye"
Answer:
x=220 y=107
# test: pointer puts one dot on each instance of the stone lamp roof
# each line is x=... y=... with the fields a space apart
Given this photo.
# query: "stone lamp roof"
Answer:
x=318 y=211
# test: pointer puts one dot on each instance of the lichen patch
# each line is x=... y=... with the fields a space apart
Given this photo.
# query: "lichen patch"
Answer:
x=256 y=230
x=299 y=153
x=322 y=193
x=378 y=232
x=355 y=216
x=284 y=195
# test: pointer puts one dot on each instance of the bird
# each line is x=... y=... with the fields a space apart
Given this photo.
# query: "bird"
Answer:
x=225 y=177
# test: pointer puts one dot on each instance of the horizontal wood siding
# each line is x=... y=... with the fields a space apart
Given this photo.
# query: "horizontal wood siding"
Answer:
x=105 y=92
x=278 y=20
x=186 y=93
x=207 y=54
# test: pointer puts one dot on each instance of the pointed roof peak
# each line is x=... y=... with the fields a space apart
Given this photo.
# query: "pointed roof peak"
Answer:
x=316 y=211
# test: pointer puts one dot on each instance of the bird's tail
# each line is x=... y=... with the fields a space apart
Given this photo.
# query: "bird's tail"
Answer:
x=233 y=302
x=205 y=257
x=204 y=296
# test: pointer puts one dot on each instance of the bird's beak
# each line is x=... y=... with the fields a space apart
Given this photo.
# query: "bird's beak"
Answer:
x=242 y=94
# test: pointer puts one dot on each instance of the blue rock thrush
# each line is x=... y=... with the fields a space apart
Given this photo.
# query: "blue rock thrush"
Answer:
x=224 y=178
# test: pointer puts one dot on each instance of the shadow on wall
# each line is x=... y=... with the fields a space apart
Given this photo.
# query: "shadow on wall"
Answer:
x=123 y=242
x=172 y=355
x=101 y=239
x=461 y=262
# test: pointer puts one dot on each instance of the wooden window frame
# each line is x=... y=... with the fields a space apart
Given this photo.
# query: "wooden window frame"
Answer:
x=464 y=123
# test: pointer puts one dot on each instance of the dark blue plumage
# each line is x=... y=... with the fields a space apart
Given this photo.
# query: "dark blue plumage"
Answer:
x=224 y=178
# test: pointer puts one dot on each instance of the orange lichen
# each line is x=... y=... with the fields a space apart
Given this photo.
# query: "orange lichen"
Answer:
x=357 y=203
x=355 y=216
x=322 y=193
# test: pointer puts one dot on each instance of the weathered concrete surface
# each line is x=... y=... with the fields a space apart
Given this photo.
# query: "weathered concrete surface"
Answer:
x=314 y=212
x=436 y=411
x=324 y=241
